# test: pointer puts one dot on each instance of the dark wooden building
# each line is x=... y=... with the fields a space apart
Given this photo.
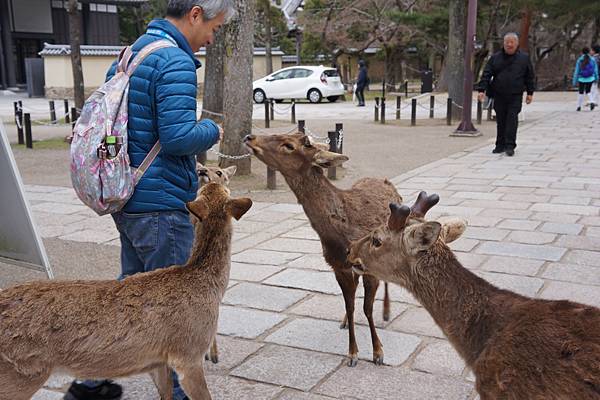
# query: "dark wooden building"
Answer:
x=25 y=25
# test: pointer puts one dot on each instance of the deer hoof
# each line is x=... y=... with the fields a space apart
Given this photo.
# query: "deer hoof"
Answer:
x=378 y=360
x=206 y=357
x=386 y=315
x=344 y=324
x=353 y=361
x=214 y=358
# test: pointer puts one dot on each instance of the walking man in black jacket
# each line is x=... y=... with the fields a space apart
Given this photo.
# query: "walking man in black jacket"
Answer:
x=506 y=75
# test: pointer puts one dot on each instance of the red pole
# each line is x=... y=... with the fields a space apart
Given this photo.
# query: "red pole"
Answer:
x=466 y=125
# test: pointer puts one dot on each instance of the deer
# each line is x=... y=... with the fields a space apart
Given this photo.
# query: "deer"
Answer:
x=338 y=216
x=517 y=347
x=146 y=323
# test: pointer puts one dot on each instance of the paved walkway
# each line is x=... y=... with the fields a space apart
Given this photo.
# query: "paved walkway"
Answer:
x=534 y=227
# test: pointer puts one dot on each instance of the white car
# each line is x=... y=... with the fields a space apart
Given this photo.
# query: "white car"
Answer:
x=300 y=82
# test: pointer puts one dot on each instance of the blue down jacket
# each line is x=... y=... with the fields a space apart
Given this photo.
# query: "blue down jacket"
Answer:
x=162 y=106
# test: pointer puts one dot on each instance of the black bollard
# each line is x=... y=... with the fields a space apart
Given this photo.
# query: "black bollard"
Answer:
x=413 y=112
x=267 y=120
x=332 y=171
x=73 y=117
x=52 y=112
x=272 y=110
x=293 y=111
x=339 y=128
x=398 y=106
x=449 y=111
x=383 y=110
x=431 y=106
x=67 y=119
x=19 y=121
x=479 y=112
x=301 y=126
x=376 y=109
x=28 y=138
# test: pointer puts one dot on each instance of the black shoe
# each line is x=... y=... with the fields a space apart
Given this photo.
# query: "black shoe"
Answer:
x=498 y=150
x=578 y=108
x=108 y=390
x=510 y=152
x=592 y=106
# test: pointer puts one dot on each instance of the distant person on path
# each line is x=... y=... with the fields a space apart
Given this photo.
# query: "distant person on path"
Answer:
x=154 y=226
x=507 y=74
x=595 y=53
x=584 y=76
x=362 y=81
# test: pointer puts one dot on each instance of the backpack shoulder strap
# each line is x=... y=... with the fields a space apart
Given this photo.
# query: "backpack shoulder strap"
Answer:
x=124 y=58
x=146 y=51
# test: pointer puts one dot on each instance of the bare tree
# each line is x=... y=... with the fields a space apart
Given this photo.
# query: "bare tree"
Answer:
x=456 y=54
x=237 y=89
x=75 y=39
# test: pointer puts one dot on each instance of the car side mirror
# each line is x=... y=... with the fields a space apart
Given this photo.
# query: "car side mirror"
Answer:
x=270 y=79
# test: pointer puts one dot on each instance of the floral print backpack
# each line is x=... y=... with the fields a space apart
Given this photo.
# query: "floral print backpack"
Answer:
x=100 y=170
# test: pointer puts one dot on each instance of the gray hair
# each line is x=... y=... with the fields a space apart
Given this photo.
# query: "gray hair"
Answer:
x=511 y=35
x=211 y=8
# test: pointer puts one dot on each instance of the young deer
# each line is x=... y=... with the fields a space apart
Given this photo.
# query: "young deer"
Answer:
x=207 y=174
x=338 y=216
x=517 y=347
x=148 y=322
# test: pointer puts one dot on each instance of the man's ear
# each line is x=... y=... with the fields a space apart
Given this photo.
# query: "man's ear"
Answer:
x=238 y=207
x=452 y=228
x=422 y=236
x=327 y=159
x=197 y=208
x=230 y=171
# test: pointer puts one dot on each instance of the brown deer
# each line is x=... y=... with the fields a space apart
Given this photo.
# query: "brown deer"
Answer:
x=148 y=322
x=207 y=174
x=517 y=347
x=338 y=216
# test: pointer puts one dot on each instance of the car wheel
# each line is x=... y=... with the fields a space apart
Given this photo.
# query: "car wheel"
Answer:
x=259 y=96
x=314 y=96
x=333 y=99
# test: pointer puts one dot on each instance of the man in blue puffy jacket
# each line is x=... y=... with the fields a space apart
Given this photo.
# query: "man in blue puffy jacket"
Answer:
x=154 y=225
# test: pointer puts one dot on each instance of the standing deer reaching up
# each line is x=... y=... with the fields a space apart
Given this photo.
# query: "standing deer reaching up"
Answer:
x=517 y=347
x=338 y=216
x=148 y=322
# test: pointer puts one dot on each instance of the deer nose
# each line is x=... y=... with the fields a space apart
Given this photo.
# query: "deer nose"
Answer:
x=348 y=252
x=249 y=138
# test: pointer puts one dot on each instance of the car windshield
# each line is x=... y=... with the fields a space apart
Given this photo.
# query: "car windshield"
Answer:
x=283 y=75
x=331 y=72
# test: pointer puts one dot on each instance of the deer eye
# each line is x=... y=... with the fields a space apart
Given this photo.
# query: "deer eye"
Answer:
x=376 y=242
x=289 y=146
x=219 y=173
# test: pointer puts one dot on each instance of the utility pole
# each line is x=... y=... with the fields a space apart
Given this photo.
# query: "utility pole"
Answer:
x=466 y=127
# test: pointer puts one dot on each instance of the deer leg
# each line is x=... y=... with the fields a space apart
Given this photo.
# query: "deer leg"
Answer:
x=14 y=386
x=163 y=380
x=344 y=324
x=214 y=351
x=371 y=284
x=194 y=383
x=348 y=283
x=386 y=303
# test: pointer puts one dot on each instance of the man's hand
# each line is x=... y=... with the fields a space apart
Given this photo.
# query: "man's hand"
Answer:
x=481 y=96
x=529 y=99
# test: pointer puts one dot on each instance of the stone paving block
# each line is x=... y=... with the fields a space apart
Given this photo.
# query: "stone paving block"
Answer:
x=498 y=204
x=271 y=216
x=49 y=231
x=503 y=213
x=519 y=224
x=583 y=257
x=58 y=382
x=47 y=395
x=327 y=337
x=514 y=183
x=458 y=211
x=572 y=200
x=439 y=358
x=513 y=265
x=538 y=252
x=310 y=261
x=230 y=388
x=58 y=208
x=485 y=233
x=526 y=286
x=249 y=324
x=332 y=308
x=469 y=188
x=250 y=241
x=564 y=229
x=593 y=231
x=470 y=260
x=252 y=272
x=264 y=257
x=304 y=232
x=554 y=217
x=285 y=208
x=532 y=237
x=580 y=242
x=463 y=244
x=478 y=195
x=474 y=182
x=41 y=189
x=44 y=218
x=232 y=352
x=485 y=222
x=92 y=236
x=315 y=281
x=264 y=297
x=396 y=292
x=284 y=366
x=573 y=273
x=286 y=226
x=514 y=190
x=565 y=209
x=417 y=320
x=593 y=221
x=570 y=291
x=295 y=245
x=528 y=198
x=246 y=226
x=104 y=223
x=393 y=383
x=295 y=395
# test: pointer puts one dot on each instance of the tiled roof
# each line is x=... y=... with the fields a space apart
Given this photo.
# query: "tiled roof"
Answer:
x=118 y=2
x=96 y=50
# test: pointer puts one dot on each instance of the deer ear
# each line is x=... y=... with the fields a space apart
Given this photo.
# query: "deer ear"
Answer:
x=197 y=208
x=452 y=228
x=238 y=207
x=327 y=159
x=422 y=236
x=230 y=171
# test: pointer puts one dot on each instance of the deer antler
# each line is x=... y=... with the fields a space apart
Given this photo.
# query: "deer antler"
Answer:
x=398 y=217
x=423 y=204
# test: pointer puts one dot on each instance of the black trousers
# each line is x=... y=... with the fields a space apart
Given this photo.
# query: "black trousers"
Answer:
x=507 y=110
x=360 y=94
x=585 y=87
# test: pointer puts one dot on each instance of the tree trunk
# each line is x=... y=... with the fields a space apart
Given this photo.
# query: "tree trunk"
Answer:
x=525 y=25
x=268 y=39
x=455 y=63
x=214 y=76
x=237 y=89
x=75 y=39
x=596 y=34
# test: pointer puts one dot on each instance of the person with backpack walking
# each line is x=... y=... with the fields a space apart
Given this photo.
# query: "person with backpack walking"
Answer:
x=162 y=129
x=584 y=76
x=362 y=80
x=595 y=53
x=507 y=74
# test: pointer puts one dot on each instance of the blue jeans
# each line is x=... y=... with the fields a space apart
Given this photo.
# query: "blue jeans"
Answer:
x=150 y=241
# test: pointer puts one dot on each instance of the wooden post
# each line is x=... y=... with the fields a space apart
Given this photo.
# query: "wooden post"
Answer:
x=413 y=112
x=272 y=110
x=398 y=106
x=28 y=138
x=52 y=112
x=267 y=120
x=479 y=112
x=73 y=117
x=301 y=126
x=406 y=89
x=67 y=119
x=332 y=171
x=271 y=179
x=19 y=121
x=339 y=128
x=431 y=105
x=449 y=111
x=383 y=110
x=376 y=109
x=293 y=111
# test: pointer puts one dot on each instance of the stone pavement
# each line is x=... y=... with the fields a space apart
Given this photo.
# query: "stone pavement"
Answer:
x=534 y=227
